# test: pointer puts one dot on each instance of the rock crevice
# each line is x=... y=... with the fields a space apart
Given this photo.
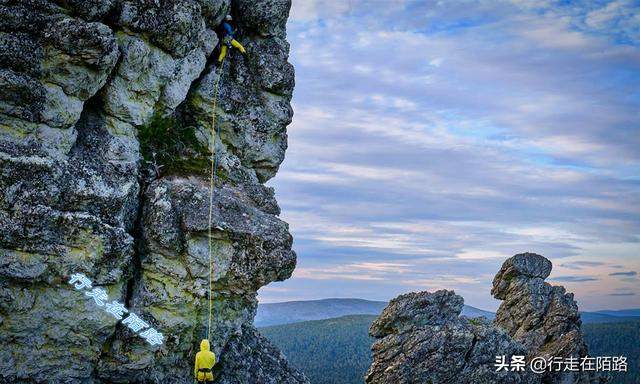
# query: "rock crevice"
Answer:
x=83 y=85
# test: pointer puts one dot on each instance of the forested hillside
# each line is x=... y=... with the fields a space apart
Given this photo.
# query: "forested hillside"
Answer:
x=327 y=351
x=617 y=339
x=337 y=351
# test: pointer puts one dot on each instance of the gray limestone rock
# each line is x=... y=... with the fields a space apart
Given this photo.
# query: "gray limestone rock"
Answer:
x=250 y=249
x=267 y=18
x=254 y=105
x=542 y=317
x=80 y=84
x=423 y=339
x=177 y=26
x=417 y=309
x=250 y=358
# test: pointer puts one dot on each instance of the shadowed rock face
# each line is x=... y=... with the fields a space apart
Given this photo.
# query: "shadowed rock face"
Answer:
x=79 y=82
x=423 y=339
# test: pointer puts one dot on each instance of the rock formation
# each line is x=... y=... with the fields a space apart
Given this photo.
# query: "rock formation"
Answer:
x=423 y=339
x=105 y=117
x=542 y=317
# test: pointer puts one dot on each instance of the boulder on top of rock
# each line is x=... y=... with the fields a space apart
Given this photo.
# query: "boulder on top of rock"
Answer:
x=422 y=338
x=544 y=318
x=526 y=265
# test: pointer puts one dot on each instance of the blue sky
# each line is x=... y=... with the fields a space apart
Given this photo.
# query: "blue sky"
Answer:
x=432 y=140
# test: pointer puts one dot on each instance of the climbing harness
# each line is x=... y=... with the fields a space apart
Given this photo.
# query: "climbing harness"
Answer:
x=213 y=183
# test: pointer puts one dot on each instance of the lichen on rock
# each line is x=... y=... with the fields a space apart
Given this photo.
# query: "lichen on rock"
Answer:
x=544 y=318
x=79 y=83
x=423 y=339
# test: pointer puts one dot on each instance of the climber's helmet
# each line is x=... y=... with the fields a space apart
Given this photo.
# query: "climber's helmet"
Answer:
x=228 y=18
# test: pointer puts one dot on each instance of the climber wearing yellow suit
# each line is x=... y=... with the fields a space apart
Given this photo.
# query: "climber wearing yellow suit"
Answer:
x=205 y=360
x=227 y=40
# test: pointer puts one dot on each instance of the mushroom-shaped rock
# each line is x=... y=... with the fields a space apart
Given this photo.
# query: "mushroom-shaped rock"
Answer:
x=544 y=318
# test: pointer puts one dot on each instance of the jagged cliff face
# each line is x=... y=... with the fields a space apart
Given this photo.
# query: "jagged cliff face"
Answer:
x=82 y=86
x=423 y=339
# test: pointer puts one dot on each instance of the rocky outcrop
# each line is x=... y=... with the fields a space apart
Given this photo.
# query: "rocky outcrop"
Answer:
x=544 y=318
x=250 y=358
x=423 y=339
x=89 y=186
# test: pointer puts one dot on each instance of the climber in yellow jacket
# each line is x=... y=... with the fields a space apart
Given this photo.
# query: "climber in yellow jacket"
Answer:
x=227 y=39
x=205 y=360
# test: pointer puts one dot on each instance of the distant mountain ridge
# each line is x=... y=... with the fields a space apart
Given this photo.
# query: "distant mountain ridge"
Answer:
x=297 y=311
x=621 y=312
x=604 y=317
x=288 y=312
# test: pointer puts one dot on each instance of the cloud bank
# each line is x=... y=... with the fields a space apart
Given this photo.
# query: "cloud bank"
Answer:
x=432 y=140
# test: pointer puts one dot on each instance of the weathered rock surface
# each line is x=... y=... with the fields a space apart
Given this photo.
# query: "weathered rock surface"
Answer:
x=544 y=318
x=423 y=339
x=250 y=247
x=250 y=358
x=81 y=82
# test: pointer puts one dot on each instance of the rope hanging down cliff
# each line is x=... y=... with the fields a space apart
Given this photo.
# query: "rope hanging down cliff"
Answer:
x=213 y=180
x=227 y=42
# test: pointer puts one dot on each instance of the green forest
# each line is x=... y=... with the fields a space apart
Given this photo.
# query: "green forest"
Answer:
x=337 y=351
x=327 y=351
x=617 y=339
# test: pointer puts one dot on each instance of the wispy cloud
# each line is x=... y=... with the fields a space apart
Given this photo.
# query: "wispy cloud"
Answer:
x=629 y=273
x=356 y=271
x=581 y=264
x=573 y=279
x=449 y=136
